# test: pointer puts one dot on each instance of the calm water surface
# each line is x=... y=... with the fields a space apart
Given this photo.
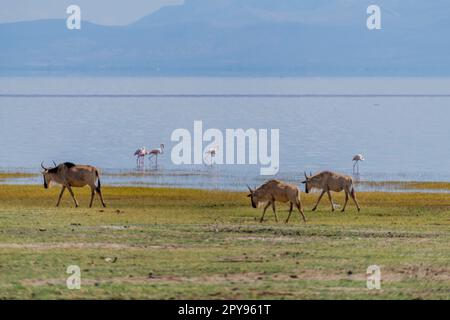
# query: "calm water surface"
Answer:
x=400 y=125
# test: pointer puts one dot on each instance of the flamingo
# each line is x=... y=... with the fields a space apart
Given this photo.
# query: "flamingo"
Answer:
x=356 y=159
x=156 y=152
x=140 y=156
x=211 y=152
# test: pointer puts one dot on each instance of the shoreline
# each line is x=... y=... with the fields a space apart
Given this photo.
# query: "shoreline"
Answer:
x=387 y=186
x=165 y=243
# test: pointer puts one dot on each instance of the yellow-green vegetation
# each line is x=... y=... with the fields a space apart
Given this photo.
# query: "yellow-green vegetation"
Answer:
x=178 y=243
x=408 y=185
x=15 y=175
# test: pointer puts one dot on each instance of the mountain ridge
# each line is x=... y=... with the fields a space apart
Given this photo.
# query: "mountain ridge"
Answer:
x=219 y=37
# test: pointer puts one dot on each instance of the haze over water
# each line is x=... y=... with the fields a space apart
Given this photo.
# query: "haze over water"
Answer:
x=400 y=125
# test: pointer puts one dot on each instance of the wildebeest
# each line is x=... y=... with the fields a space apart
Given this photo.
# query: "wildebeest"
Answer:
x=329 y=181
x=275 y=190
x=71 y=175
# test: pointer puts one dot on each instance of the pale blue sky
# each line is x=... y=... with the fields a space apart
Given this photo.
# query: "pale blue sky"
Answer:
x=105 y=12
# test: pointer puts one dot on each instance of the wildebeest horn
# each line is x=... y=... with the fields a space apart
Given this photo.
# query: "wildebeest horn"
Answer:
x=55 y=163
x=310 y=173
x=250 y=189
x=42 y=165
x=305 y=175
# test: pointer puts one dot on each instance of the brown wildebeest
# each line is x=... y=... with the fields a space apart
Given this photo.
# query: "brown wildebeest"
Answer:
x=71 y=175
x=329 y=181
x=275 y=190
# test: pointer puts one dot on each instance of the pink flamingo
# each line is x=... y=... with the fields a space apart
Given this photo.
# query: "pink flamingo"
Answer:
x=156 y=152
x=140 y=156
x=211 y=153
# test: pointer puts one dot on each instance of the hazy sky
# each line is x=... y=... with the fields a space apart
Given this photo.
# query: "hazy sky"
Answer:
x=122 y=12
x=105 y=12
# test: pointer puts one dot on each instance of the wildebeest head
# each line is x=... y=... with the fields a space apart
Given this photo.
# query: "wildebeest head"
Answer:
x=308 y=182
x=48 y=173
x=253 y=195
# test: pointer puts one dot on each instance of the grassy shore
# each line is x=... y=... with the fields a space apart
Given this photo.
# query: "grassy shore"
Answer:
x=12 y=177
x=407 y=185
x=179 y=243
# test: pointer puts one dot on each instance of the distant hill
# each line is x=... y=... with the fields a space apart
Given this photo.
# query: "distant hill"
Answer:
x=240 y=37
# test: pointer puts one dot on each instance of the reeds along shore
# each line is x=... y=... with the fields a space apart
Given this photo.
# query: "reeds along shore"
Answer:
x=159 y=243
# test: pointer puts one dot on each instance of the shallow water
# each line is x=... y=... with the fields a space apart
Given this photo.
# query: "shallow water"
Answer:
x=400 y=125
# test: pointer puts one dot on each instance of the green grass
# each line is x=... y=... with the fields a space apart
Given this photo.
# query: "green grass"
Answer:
x=192 y=244
x=407 y=185
x=15 y=175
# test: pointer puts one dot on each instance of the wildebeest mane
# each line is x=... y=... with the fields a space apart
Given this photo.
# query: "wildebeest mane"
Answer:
x=65 y=164
x=53 y=170
x=268 y=184
x=69 y=164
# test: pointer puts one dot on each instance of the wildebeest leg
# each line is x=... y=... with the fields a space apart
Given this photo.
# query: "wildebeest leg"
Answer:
x=99 y=191
x=354 y=199
x=274 y=211
x=73 y=196
x=346 y=200
x=60 y=195
x=290 y=211
x=318 y=200
x=264 y=212
x=92 y=196
x=331 y=200
x=300 y=209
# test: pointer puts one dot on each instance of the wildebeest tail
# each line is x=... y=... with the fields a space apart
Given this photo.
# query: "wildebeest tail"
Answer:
x=99 y=185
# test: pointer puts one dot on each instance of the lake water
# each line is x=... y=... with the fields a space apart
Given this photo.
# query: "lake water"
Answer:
x=402 y=126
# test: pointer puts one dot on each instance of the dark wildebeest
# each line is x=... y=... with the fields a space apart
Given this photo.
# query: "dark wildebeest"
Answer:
x=275 y=190
x=329 y=181
x=71 y=175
